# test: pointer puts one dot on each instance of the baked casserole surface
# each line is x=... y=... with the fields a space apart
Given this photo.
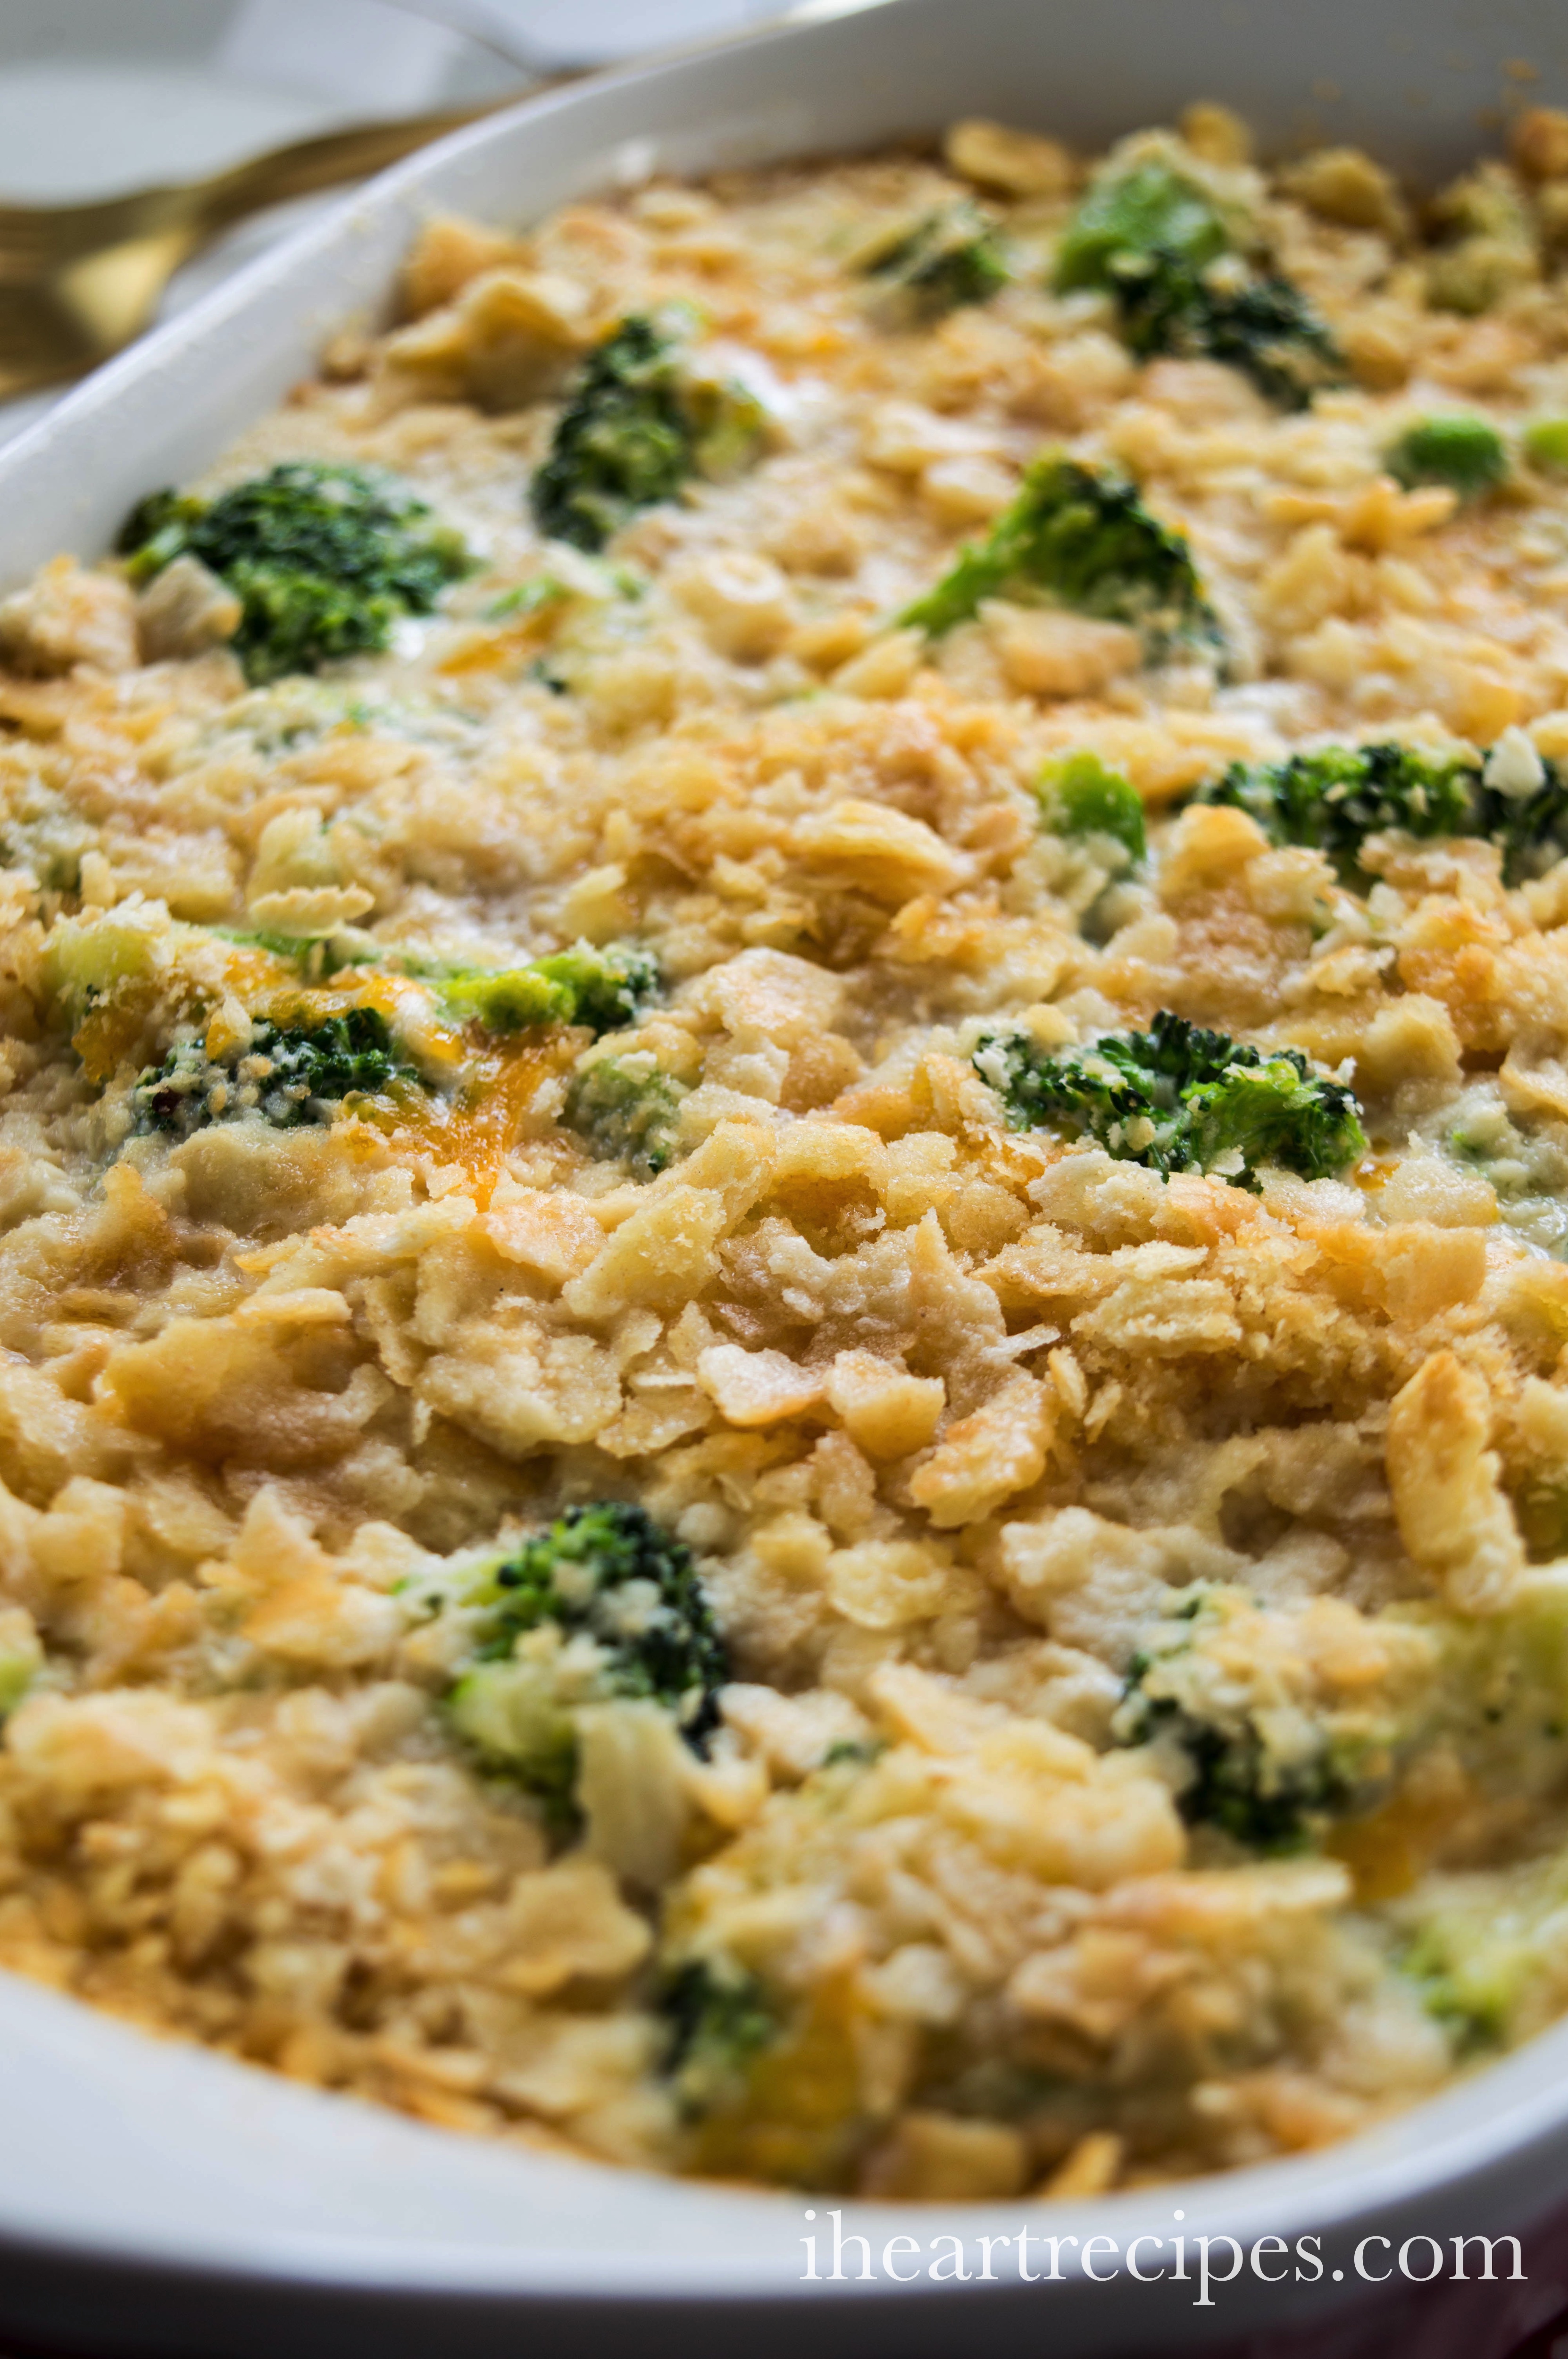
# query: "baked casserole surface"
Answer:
x=784 y=1175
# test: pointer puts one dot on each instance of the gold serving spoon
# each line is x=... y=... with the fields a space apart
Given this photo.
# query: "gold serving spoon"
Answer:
x=80 y=282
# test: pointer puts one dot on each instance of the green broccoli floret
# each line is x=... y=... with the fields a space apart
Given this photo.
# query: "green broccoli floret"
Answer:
x=1083 y=540
x=601 y=1604
x=1149 y=208
x=1259 y=324
x=1236 y=1783
x=623 y=442
x=1081 y=796
x=1179 y=1099
x=610 y=1570
x=948 y=259
x=1237 y=1787
x=1471 y=1972
x=1335 y=798
x=604 y=989
x=1546 y=443
x=323 y=558
x=1153 y=239
x=637 y=423
x=719 y=2020
x=1491 y=243
x=1259 y=1767
x=1467 y=453
x=625 y=1107
x=1482 y=1950
x=1531 y=829
x=289 y=1075
x=729 y=426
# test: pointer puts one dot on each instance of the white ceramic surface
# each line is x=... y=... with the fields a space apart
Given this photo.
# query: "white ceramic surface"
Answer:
x=556 y=33
x=97 y=96
x=161 y=2199
x=100 y=96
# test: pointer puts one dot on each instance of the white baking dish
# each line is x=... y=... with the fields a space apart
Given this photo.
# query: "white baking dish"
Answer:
x=157 y=2198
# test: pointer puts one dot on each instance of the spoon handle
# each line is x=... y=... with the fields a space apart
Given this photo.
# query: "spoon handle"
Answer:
x=38 y=240
x=325 y=162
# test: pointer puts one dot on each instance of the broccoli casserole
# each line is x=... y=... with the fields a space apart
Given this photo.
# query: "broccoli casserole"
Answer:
x=784 y=1162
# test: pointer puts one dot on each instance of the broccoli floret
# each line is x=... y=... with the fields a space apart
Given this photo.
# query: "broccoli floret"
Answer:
x=1484 y=1945
x=1083 y=540
x=1261 y=325
x=1136 y=212
x=637 y=423
x=1153 y=239
x=1336 y=798
x=624 y=1106
x=623 y=442
x=1237 y=1787
x=609 y=1570
x=720 y=2020
x=1082 y=795
x=1471 y=1971
x=518 y=1718
x=1492 y=244
x=1546 y=443
x=601 y=1604
x=1236 y=1783
x=1262 y=1758
x=323 y=558
x=1482 y=1949
x=1467 y=453
x=729 y=426
x=1531 y=829
x=1179 y=1099
x=607 y=988
x=604 y=989
x=288 y=1075
x=948 y=259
